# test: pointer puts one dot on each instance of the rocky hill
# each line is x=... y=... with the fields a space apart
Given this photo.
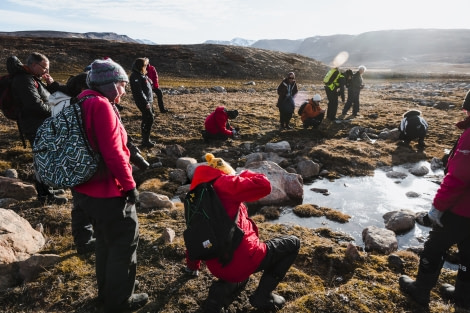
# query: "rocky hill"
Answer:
x=71 y=55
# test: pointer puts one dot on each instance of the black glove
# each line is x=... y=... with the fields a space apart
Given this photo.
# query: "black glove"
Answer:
x=132 y=196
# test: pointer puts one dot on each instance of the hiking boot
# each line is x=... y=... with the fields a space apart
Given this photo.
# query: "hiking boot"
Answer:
x=342 y=116
x=52 y=199
x=457 y=294
x=148 y=144
x=137 y=300
x=416 y=291
x=165 y=111
x=190 y=272
x=288 y=127
x=271 y=301
x=87 y=247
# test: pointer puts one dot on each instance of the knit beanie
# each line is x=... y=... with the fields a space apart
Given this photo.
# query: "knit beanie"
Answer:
x=232 y=114
x=466 y=102
x=104 y=75
x=219 y=164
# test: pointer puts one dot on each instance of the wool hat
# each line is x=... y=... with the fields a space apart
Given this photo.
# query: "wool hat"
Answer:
x=219 y=164
x=103 y=72
x=316 y=97
x=466 y=102
x=232 y=114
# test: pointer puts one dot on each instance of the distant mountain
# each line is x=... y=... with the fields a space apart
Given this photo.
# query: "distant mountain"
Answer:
x=234 y=42
x=59 y=34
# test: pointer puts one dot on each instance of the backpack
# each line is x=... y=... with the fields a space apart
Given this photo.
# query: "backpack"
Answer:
x=302 y=107
x=62 y=155
x=8 y=103
x=210 y=233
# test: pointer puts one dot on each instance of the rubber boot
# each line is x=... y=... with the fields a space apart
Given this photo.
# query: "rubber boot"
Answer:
x=263 y=298
x=420 y=289
x=458 y=294
x=146 y=143
x=222 y=294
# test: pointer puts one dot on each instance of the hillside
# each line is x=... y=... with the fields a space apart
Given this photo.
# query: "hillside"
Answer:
x=71 y=55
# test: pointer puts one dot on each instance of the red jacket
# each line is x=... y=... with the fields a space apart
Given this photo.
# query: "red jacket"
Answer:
x=107 y=135
x=233 y=190
x=216 y=122
x=454 y=191
x=153 y=75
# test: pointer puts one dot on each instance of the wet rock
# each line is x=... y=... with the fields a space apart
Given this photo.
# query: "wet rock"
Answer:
x=419 y=170
x=399 y=221
x=379 y=239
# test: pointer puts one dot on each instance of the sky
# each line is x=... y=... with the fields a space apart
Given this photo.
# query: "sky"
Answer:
x=194 y=22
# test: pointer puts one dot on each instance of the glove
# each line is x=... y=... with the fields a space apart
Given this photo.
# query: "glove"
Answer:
x=234 y=132
x=132 y=196
x=435 y=216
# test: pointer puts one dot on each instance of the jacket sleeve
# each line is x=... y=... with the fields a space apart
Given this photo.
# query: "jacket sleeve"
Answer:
x=457 y=181
x=221 y=122
x=138 y=94
x=246 y=187
x=111 y=140
x=27 y=91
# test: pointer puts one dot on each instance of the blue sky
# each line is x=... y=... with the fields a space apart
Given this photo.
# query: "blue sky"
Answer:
x=192 y=22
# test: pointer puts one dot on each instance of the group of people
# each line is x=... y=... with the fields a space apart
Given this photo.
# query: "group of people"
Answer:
x=108 y=200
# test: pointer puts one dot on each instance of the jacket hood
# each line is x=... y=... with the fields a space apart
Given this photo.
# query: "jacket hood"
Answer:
x=203 y=174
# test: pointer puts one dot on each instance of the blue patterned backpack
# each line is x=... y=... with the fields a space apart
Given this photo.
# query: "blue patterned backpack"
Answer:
x=62 y=155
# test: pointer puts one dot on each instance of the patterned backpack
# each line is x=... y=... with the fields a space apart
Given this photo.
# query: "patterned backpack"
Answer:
x=62 y=154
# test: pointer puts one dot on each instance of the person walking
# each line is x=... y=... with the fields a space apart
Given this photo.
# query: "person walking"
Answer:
x=32 y=94
x=334 y=82
x=286 y=90
x=274 y=257
x=450 y=218
x=153 y=75
x=312 y=114
x=354 y=90
x=413 y=126
x=109 y=198
x=141 y=87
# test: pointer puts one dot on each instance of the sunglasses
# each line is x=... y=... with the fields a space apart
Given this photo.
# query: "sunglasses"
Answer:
x=291 y=78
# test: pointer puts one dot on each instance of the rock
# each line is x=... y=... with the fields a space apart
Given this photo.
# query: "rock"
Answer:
x=16 y=189
x=31 y=267
x=151 y=200
x=10 y=173
x=182 y=163
x=168 y=235
x=282 y=146
x=178 y=175
x=419 y=170
x=399 y=221
x=308 y=169
x=379 y=239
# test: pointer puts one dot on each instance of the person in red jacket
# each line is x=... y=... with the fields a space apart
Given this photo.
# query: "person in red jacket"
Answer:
x=153 y=75
x=450 y=216
x=217 y=125
x=110 y=196
x=274 y=257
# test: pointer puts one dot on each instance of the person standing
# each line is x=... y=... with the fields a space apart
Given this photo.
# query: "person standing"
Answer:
x=274 y=257
x=354 y=91
x=109 y=198
x=153 y=75
x=413 y=126
x=450 y=218
x=312 y=114
x=141 y=87
x=32 y=94
x=286 y=90
x=334 y=86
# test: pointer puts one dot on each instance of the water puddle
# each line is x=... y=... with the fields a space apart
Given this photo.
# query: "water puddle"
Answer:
x=367 y=199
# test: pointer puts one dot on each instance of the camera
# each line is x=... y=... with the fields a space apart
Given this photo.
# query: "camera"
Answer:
x=136 y=158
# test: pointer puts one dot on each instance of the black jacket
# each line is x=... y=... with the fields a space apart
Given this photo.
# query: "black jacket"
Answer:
x=141 y=88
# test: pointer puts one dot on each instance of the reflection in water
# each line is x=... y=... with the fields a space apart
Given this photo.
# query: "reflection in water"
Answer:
x=367 y=199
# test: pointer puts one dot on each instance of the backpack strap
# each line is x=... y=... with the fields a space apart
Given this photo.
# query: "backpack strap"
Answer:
x=238 y=211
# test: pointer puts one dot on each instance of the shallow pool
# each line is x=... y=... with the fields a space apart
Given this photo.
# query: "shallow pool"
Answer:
x=367 y=199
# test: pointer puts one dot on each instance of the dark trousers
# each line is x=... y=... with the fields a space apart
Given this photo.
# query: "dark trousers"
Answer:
x=353 y=100
x=332 y=96
x=284 y=118
x=281 y=253
x=159 y=94
x=455 y=231
x=146 y=123
x=117 y=235
x=314 y=121
x=82 y=229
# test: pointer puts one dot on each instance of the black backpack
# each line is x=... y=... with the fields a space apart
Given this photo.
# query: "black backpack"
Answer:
x=302 y=108
x=210 y=233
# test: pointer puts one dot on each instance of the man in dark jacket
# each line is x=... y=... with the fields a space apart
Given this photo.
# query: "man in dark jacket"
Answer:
x=413 y=126
x=32 y=95
x=354 y=91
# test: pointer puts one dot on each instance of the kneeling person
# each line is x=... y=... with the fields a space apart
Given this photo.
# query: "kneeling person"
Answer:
x=217 y=125
x=413 y=127
x=312 y=114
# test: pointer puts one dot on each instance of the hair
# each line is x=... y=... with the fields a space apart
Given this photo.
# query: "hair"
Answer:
x=289 y=74
x=140 y=65
x=362 y=67
x=36 y=57
x=75 y=84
